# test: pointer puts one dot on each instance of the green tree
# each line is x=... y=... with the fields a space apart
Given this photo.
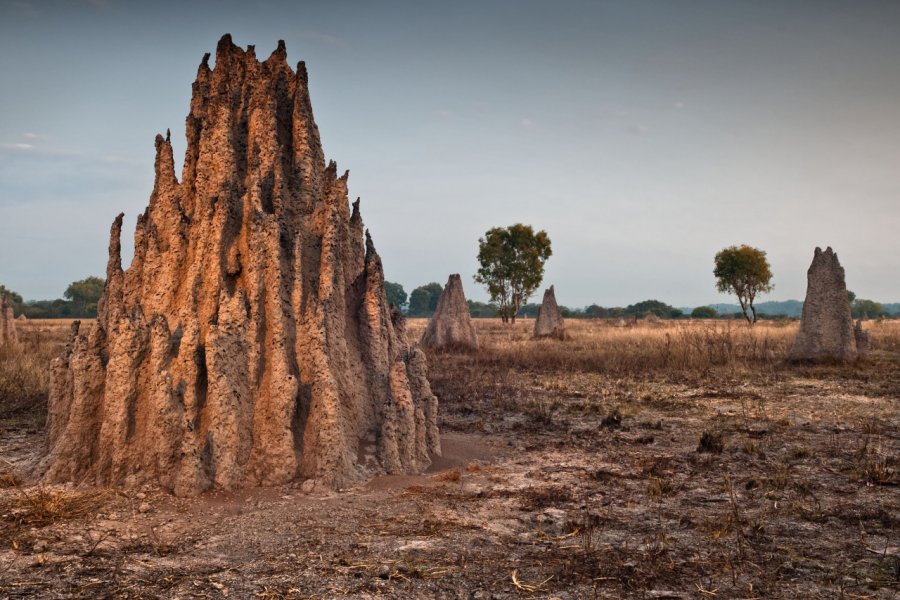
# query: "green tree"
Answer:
x=395 y=293
x=861 y=307
x=85 y=294
x=660 y=309
x=851 y=296
x=480 y=309
x=745 y=272
x=423 y=300
x=704 y=312
x=596 y=312
x=512 y=265
x=16 y=300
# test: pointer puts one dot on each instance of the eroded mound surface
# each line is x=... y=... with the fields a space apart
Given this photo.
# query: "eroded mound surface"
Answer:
x=826 y=326
x=7 y=322
x=451 y=326
x=250 y=341
x=549 y=321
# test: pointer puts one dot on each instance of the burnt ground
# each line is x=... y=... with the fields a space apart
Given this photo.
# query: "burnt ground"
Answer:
x=772 y=483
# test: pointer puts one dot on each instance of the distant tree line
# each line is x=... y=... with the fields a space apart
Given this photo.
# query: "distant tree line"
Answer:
x=79 y=301
x=422 y=302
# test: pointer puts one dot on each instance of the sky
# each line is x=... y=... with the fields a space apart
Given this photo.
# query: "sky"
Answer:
x=643 y=136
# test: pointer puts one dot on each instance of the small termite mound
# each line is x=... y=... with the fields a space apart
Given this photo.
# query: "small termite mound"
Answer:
x=8 y=334
x=549 y=321
x=826 y=327
x=451 y=325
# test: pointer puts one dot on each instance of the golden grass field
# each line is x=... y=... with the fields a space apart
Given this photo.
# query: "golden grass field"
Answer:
x=685 y=459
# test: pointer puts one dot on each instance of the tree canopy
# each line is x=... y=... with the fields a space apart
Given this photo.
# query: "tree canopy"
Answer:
x=745 y=272
x=395 y=293
x=85 y=293
x=647 y=307
x=14 y=298
x=423 y=300
x=512 y=265
x=862 y=307
x=704 y=312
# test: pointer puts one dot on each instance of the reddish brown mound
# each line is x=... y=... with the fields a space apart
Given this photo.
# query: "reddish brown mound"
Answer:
x=8 y=332
x=250 y=341
x=549 y=321
x=451 y=326
x=826 y=326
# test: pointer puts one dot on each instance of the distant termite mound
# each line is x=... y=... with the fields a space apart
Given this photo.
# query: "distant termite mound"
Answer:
x=250 y=342
x=826 y=326
x=549 y=321
x=8 y=334
x=451 y=325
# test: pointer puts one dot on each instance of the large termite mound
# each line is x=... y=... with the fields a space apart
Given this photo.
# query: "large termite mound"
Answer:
x=826 y=326
x=549 y=321
x=451 y=325
x=8 y=333
x=250 y=341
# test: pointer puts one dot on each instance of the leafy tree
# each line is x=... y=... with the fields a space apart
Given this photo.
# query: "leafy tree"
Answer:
x=862 y=307
x=396 y=295
x=423 y=300
x=85 y=294
x=13 y=297
x=596 y=312
x=704 y=312
x=529 y=310
x=851 y=296
x=512 y=265
x=480 y=309
x=745 y=272
x=570 y=313
x=660 y=309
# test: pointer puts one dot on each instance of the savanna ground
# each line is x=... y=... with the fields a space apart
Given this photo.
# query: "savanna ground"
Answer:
x=679 y=460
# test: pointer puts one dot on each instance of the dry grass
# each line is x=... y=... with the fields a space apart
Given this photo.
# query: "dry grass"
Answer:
x=699 y=346
x=37 y=507
x=25 y=371
x=714 y=453
x=602 y=486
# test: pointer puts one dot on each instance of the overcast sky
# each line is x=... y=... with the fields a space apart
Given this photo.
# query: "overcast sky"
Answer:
x=643 y=136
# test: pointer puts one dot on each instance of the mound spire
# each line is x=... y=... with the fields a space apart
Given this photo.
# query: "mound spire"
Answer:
x=250 y=341
x=8 y=334
x=451 y=325
x=549 y=321
x=826 y=325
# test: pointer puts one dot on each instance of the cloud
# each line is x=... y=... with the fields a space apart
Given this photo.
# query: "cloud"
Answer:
x=678 y=105
x=444 y=114
x=324 y=38
x=526 y=122
x=638 y=129
x=31 y=136
x=18 y=146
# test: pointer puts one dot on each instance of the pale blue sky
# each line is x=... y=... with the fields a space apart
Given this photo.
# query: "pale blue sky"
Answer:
x=643 y=136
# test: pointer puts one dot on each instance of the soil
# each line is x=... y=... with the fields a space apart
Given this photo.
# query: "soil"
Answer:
x=552 y=485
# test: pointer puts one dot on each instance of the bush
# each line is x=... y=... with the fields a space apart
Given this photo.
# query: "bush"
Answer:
x=704 y=312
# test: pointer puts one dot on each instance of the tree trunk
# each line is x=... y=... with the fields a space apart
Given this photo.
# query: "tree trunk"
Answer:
x=744 y=310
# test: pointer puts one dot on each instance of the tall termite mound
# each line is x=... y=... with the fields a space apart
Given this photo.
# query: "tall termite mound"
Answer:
x=250 y=341
x=451 y=325
x=8 y=334
x=549 y=321
x=826 y=326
